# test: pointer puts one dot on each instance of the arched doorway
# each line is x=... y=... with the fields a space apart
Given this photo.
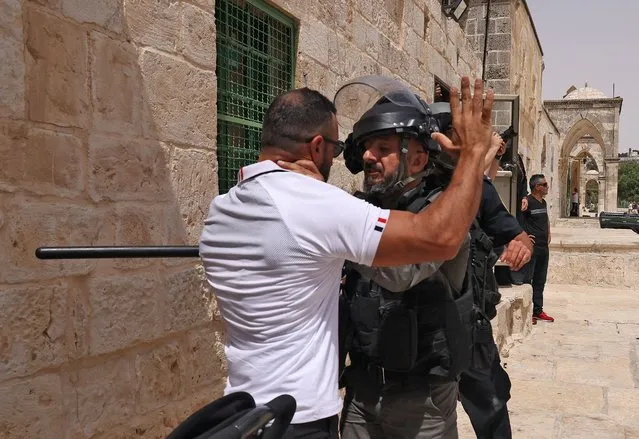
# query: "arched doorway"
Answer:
x=583 y=167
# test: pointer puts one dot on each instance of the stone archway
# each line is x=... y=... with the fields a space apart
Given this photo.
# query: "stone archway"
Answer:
x=571 y=165
x=586 y=164
x=588 y=123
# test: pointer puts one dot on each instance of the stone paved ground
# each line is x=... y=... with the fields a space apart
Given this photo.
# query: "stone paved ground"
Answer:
x=577 y=377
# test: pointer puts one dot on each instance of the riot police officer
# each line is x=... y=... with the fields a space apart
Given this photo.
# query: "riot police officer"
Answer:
x=485 y=387
x=402 y=378
x=410 y=326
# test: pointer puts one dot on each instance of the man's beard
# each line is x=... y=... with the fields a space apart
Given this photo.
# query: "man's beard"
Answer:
x=387 y=183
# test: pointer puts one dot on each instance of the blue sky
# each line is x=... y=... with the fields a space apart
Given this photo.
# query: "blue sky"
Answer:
x=595 y=42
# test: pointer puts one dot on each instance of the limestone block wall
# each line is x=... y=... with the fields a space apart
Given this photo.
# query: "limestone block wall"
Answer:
x=596 y=264
x=514 y=60
x=526 y=71
x=107 y=136
x=514 y=65
x=545 y=161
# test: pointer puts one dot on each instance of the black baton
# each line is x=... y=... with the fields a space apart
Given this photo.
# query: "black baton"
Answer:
x=89 y=252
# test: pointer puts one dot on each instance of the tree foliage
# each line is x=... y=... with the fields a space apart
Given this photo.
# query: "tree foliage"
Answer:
x=628 y=190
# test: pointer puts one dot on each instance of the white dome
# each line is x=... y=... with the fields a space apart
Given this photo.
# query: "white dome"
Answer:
x=586 y=93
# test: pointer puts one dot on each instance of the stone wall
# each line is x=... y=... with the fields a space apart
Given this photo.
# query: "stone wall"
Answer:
x=602 y=264
x=526 y=79
x=514 y=65
x=545 y=159
x=513 y=59
x=107 y=126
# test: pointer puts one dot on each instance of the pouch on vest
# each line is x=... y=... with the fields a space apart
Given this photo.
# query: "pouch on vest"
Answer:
x=459 y=333
x=365 y=314
x=482 y=261
x=484 y=352
x=398 y=338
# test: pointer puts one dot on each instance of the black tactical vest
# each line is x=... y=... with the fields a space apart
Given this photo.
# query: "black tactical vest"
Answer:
x=426 y=330
x=482 y=260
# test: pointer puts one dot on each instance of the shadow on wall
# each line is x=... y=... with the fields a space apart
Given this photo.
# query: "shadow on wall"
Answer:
x=107 y=133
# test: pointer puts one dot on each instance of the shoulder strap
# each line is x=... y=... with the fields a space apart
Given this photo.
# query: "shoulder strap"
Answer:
x=478 y=236
x=419 y=203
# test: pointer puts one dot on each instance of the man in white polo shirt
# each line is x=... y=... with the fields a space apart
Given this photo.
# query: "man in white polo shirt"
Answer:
x=273 y=248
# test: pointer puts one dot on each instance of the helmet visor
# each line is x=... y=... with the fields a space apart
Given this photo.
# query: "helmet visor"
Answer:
x=357 y=96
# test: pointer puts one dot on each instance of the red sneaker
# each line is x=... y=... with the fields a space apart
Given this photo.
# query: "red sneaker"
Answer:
x=543 y=316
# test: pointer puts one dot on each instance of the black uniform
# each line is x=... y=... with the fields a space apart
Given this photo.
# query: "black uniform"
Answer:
x=485 y=388
x=535 y=221
x=494 y=218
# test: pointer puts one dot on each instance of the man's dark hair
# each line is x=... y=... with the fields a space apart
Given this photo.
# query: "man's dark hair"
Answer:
x=535 y=179
x=295 y=116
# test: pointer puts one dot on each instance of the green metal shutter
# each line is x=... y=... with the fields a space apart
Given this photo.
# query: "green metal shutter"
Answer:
x=255 y=63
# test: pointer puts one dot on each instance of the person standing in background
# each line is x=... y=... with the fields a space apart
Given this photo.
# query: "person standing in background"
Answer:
x=535 y=222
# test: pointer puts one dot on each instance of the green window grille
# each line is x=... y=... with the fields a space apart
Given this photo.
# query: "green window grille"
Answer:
x=255 y=63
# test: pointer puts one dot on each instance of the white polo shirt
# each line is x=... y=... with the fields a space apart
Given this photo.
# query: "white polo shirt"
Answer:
x=273 y=249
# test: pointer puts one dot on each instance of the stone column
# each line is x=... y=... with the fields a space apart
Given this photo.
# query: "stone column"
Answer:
x=563 y=169
x=576 y=178
x=612 y=178
x=601 y=198
x=583 y=183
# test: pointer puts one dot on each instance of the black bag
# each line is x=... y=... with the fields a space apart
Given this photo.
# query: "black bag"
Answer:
x=398 y=338
x=235 y=416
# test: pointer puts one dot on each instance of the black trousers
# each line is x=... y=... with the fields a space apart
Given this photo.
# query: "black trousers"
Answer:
x=574 y=210
x=484 y=390
x=538 y=272
x=327 y=428
x=535 y=272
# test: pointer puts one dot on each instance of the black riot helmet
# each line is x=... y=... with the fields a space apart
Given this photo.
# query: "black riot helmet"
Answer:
x=381 y=106
x=441 y=112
